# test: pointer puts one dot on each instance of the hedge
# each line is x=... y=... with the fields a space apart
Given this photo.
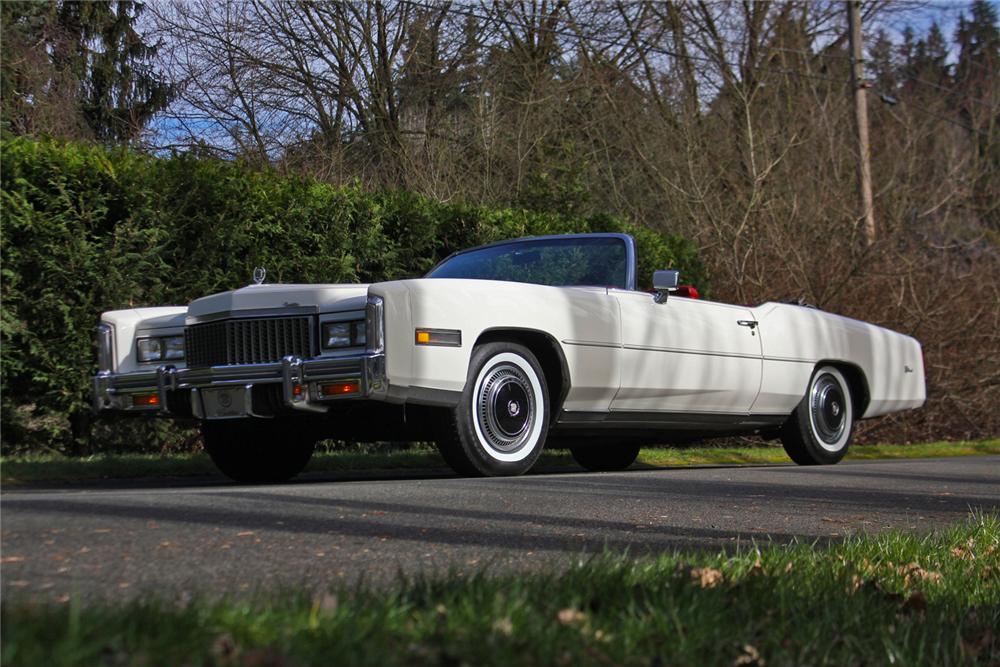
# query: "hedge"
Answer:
x=87 y=229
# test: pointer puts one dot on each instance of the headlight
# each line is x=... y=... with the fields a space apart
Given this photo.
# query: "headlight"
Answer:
x=173 y=347
x=161 y=348
x=344 y=334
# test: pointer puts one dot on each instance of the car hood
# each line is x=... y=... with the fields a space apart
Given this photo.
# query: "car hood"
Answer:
x=320 y=298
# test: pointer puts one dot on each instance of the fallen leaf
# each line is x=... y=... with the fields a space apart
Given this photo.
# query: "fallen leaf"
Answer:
x=914 y=573
x=570 y=615
x=244 y=533
x=750 y=657
x=503 y=626
x=963 y=553
x=707 y=577
x=12 y=559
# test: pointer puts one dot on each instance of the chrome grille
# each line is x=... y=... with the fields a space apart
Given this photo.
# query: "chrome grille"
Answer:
x=258 y=341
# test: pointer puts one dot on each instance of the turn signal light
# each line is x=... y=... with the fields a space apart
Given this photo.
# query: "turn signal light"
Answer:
x=340 y=388
x=445 y=337
x=145 y=400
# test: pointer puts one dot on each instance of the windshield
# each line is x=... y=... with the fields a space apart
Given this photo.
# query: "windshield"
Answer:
x=560 y=262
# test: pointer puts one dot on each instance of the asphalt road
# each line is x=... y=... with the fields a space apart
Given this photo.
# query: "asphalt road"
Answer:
x=211 y=537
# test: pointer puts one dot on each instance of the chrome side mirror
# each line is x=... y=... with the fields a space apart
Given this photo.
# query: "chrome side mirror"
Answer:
x=665 y=282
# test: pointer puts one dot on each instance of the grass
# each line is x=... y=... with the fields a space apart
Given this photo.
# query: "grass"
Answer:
x=775 y=454
x=885 y=599
x=49 y=467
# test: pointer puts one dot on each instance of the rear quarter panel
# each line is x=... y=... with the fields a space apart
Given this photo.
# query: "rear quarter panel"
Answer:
x=795 y=339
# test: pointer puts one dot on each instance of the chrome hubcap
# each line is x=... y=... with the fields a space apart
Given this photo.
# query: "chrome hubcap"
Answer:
x=505 y=407
x=826 y=405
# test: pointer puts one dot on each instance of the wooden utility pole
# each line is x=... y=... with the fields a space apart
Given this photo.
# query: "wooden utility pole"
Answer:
x=859 y=85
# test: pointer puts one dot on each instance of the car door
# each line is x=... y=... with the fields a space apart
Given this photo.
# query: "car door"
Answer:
x=686 y=356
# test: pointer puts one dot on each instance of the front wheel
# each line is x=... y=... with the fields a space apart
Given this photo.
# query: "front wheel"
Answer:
x=257 y=451
x=820 y=429
x=500 y=423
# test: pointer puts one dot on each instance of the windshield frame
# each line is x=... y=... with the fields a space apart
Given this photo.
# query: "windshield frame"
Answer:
x=630 y=252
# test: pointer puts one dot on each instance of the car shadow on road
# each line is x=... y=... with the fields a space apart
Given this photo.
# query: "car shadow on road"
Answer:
x=320 y=477
x=538 y=512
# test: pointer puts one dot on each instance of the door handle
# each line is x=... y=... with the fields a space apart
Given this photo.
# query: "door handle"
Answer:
x=747 y=323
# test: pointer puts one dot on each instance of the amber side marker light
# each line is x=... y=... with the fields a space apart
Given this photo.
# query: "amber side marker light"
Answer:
x=145 y=400
x=340 y=388
x=445 y=337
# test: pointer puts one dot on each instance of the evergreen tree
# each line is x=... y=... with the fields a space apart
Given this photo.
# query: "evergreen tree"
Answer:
x=882 y=63
x=977 y=89
x=78 y=70
x=978 y=40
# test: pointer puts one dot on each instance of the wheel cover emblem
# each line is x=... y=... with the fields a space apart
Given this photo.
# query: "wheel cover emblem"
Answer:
x=505 y=407
x=826 y=408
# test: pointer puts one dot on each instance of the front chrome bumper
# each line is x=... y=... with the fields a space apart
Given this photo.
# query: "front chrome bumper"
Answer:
x=299 y=380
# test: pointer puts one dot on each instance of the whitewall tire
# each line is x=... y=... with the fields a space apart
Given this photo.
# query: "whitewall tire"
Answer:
x=820 y=429
x=500 y=423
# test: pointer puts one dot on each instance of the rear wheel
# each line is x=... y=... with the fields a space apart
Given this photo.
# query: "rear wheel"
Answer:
x=500 y=423
x=605 y=458
x=820 y=429
x=257 y=451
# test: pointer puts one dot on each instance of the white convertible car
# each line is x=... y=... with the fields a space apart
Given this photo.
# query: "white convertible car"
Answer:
x=497 y=352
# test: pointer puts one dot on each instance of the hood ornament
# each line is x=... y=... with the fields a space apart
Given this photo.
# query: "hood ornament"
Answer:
x=259 y=274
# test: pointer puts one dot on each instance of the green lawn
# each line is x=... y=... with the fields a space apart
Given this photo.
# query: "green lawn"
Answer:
x=22 y=469
x=870 y=600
